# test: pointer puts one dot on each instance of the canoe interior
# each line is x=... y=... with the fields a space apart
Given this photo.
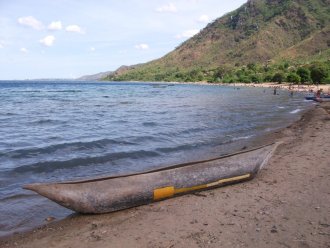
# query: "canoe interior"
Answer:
x=94 y=179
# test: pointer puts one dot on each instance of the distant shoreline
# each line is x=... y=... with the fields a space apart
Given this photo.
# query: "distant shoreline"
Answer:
x=285 y=86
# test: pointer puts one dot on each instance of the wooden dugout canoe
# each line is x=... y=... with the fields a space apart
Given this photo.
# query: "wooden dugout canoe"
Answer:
x=108 y=194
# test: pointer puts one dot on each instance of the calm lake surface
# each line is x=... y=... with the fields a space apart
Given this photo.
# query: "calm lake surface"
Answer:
x=52 y=131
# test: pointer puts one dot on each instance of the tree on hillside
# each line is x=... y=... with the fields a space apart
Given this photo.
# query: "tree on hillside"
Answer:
x=255 y=79
x=293 y=78
x=252 y=66
x=268 y=78
x=278 y=77
x=218 y=74
x=318 y=73
x=304 y=74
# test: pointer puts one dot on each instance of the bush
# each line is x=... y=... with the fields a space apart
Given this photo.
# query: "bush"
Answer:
x=229 y=79
x=293 y=78
x=318 y=73
x=255 y=79
x=278 y=77
x=304 y=74
x=244 y=79
x=252 y=66
x=268 y=78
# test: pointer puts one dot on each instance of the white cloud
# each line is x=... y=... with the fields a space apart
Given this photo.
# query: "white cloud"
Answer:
x=74 y=29
x=48 y=40
x=187 y=34
x=30 y=21
x=24 y=50
x=170 y=7
x=204 y=19
x=92 y=49
x=2 y=45
x=57 y=25
x=142 y=46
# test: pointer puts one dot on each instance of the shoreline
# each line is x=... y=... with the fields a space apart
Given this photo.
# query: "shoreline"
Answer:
x=284 y=206
x=286 y=86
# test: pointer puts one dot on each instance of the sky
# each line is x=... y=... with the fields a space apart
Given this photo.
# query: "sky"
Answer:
x=71 y=38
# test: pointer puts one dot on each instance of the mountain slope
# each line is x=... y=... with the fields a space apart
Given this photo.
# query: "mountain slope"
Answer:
x=257 y=32
x=96 y=76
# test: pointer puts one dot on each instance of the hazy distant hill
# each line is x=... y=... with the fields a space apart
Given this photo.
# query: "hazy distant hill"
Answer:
x=93 y=77
x=260 y=31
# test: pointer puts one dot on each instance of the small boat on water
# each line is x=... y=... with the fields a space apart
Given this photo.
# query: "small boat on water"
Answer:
x=108 y=194
x=320 y=98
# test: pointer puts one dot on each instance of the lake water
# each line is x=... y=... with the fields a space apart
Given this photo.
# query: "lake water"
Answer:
x=53 y=131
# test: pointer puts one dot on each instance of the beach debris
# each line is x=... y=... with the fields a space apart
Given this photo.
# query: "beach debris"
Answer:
x=95 y=237
x=93 y=226
x=274 y=229
x=50 y=218
x=199 y=194
x=193 y=221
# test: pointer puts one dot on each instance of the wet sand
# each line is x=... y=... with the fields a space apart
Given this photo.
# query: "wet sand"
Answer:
x=286 y=205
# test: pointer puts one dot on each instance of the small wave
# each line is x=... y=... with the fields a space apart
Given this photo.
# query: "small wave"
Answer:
x=26 y=91
x=50 y=166
x=161 y=113
x=48 y=121
x=126 y=102
x=176 y=148
x=295 y=111
x=149 y=124
x=191 y=130
x=65 y=91
x=30 y=152
x=141 y=139
x=17 y=197
x=280 y=107
x=242 y=137
x=120 y=121
x=8 y=114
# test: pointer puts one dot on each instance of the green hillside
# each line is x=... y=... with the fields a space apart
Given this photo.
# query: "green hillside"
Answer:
x=261 y=33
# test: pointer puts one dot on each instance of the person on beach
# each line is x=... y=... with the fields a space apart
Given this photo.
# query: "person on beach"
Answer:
x=275 y=90
x=318 y=93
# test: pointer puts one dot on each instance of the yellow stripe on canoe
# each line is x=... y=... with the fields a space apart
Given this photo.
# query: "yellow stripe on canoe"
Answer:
x=170 y=191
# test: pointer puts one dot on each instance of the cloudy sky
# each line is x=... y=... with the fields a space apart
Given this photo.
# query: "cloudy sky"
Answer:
x=71 y=38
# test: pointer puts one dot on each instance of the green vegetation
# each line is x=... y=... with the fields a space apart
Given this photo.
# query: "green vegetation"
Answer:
x=317 y=72
x=293 y=78
x=263 y=40
x=304 y=74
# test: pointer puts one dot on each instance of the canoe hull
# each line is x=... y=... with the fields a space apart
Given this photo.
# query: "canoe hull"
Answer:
x=110 y=194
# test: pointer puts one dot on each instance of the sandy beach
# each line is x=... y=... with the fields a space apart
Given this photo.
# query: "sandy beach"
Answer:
x=288 y=86
x=285 y=86
x=286 y=205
